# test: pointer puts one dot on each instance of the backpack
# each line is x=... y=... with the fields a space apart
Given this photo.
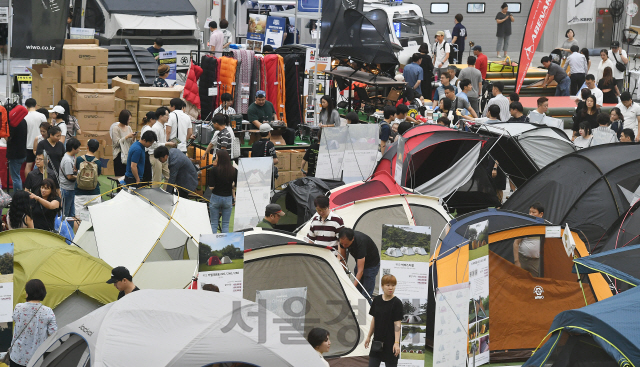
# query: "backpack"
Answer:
x=88 y=175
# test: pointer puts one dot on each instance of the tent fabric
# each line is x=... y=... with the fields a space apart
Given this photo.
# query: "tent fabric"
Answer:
x=207 y=79
x=621 y=264
x=190 y=92
x=176 y=328
x=117 y=22
x=67 y=271
x=227 y=76
x=332 y=24
x=151 y=8
x=611 y=324
x=454 y=177
x=275 y=87
x=317 y=269
x=623 y=232
x=379 y=184
x=245 y=64
x=588 y=189
x=299 y=195
x=257 y=237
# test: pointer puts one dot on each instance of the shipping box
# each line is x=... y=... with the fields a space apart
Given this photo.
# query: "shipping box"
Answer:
x=46 y=84
x=94 y=120
x=283 y=178
x=92 y=99
x=284 y=160
x=158 y=92
x=84 y=55
x=296 y=159
x=128 y=90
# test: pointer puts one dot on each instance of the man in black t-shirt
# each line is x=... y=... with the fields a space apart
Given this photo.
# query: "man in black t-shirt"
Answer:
x=264 y=147
x=122 y=280
x=367 y=257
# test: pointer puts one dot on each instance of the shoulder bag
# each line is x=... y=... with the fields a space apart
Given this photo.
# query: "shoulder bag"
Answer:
x=619 y=65
x=7 y=358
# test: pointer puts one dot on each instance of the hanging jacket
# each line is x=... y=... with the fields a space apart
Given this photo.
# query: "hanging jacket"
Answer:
x=208 y=79
x=227 y=76
x=191 y=92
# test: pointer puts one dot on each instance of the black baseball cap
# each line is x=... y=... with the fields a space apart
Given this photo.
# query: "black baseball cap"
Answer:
x=118 y=273
x=274 y=209
x=477 y=48
x=615 y=44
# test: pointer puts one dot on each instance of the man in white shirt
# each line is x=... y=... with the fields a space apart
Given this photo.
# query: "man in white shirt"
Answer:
x=500 y=100
x=441 y=50
x=590 y=81
x=630 y=111
x=159 y=169
x=616 y=54
x=179 y=125
x=34 y=119
x=225 y=107
x=216 y=40
x=579 y=68
x=526 y=251
x=603 y=134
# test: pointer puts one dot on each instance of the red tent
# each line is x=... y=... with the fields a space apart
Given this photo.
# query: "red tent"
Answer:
x=379 y=184
x=213 y=260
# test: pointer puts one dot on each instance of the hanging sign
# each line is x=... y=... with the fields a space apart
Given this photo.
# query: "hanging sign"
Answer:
x=224 y=262
x=169 y=58
x=275 y=31
x=256 y=31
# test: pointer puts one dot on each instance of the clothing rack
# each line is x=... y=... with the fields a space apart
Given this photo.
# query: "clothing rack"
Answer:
x=229 y=53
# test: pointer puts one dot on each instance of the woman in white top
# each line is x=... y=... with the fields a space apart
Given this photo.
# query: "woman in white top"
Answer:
x=584 y=140
x=59 y=118
x=121 y=139
x=225 y=107
x=319 y=340
x=605 y=62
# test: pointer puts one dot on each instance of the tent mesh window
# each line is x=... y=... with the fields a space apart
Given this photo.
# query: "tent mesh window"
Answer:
x=578 y=350
x=327 y=304
x=505 y=250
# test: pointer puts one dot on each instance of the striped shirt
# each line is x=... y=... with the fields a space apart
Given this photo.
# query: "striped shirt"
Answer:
x=603 y=135
x=501 y=101
x=325 y=232
x=223 y=139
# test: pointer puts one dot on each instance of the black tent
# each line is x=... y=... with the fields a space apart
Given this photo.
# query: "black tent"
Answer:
x=332 y=26
x=297 y=199
x=588 y=189
x=623 y=232
x=620 y=264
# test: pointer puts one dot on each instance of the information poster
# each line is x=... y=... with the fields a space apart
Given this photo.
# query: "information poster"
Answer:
x=169 y=58
x=450 y=336
x=81 y=33
x=253 y=191
x=405 y=254
x=324 y=63
x=6 y=296
x=478 y=347
x=256 y=32
x=275 y=31
x=222 y=262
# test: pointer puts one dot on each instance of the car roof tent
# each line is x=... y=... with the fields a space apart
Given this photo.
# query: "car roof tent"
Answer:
x=588 y=189
x=601 y=334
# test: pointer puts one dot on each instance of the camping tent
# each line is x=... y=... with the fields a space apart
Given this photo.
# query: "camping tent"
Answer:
x=75 y=280
x=623 y=232
x=394 y=252
x=522 y=149
x=225 y=260
x=511 y=288
x=420 y=251
x=379 y=184
x=213 y=260
x=333 y=302
x=438 y=161
x=151 y=232
x=604 y=334
x=407 y=250
x=297 y=199
x=588 y=189
x=176 y=328
x=620 y=264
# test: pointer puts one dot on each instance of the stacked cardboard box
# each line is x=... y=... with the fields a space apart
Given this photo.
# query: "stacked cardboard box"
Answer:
x=150 y=98
x=83 y=66
x=289 y=163
x=46 y=84
x=127 y=94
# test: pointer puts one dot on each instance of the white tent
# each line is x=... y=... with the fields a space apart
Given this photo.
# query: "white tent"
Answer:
x=412 y=319
x=225 y=260
x=152 y=233
x=420 y=250
x=407 y=250
x=175 y=328
x=393 y=252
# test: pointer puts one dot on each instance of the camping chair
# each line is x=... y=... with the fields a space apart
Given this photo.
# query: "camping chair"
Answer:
x=364 y=97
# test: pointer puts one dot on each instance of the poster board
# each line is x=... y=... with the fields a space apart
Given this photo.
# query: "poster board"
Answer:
x=169 y=58
x=450 y=340
x=6 y=296
x=224 y=264
x=478 y=347
x=253 y=191
x=256 y=31
x=405 y=254
x=81 y=33
x=275 y=31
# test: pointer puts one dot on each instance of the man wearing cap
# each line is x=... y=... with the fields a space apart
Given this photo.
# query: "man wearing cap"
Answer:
x=272 y=215
x=122 y=280
x=264 y=147
x=481 y=61
x=56 y=113
x=617 y=54
x=163 y=73
x=261 y=110
x=441 y=51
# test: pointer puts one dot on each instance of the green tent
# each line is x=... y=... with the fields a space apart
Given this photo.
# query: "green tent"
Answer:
x=74 y=279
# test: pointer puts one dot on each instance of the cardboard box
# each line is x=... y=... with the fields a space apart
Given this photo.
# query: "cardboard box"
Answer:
x=296 y=159
x=69 y=73
x=284 y=160
x=132 y=106
x=158 y=92
x=146 y=108
x=166 y=101
x=46 y=84
x=94 y=120
x=296 y=175
x=67 y=91
x=128 y=90
x=144 y=100
x=158 y=101
x=86 y=74
x=100 y=74
x=101 y=136
x=92 y=99
x=83 y=41
x=283 y=178
x=119 y=106
x=84 y=55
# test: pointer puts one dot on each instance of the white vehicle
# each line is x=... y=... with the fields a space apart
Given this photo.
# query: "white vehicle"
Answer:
x=407 y=25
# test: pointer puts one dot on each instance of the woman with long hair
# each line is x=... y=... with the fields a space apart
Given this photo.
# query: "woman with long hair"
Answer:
x=585 y=52
x=33 y=323
x=605 y=61
x=427 y=70
x=329 y=116
x=222 y=180
x=46 y=206
x=617 y=121
x=584 y=140
x=387 y=312
x=19 y=214
x=587 y=114
x=121 y=139
x=148 y=121
x=73 y=127
x=607 y=85
x=319 y=340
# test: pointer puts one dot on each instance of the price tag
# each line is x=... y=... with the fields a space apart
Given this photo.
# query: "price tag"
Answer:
x=215 y=83
x=245 y=100
x=24 y=78
x=281 y=106
x=233 y=83
x=553 y=231
x=275 y=83
x=213 y=92
x=297 y=63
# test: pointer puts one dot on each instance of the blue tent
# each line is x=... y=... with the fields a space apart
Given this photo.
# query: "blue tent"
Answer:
x=602 y=334
x=621 y=264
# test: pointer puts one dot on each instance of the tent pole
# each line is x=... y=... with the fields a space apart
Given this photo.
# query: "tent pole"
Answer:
x=580 y=281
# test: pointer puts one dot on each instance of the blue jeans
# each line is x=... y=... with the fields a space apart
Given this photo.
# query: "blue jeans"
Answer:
x=68 y=202
x=563 y=87
x=14 y=170
x=220 y=206
x=368 y=280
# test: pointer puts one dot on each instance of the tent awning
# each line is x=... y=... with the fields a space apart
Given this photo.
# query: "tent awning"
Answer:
x=175 y=22
x=621 y=264
x=152 y=8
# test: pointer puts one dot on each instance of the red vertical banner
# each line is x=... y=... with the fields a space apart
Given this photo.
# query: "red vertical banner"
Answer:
x=537 y=20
